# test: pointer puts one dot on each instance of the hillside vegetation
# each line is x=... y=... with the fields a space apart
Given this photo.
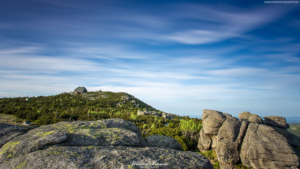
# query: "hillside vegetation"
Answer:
x=88 y=106
x=294 y=128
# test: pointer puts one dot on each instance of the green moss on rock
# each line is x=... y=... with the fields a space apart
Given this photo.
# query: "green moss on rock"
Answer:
x=9 y=145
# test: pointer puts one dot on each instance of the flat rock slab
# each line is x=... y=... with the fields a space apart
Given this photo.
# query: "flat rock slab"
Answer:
x=110 y=157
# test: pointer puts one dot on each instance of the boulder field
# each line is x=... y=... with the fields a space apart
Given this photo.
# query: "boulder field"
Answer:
x=110 y=143
x=250 y=140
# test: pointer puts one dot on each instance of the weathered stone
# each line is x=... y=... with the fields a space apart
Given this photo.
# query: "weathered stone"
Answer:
x=292 y=138
x=263 y=147
x=8 y=132
x=227 y=115
x=204 y=141
x=227 y=149
x=163 y=142
x=253 y=118
x=244 y=115
x=109 y=157
x=242 y=133
x=212 y=121
x=78 y=133
x=214 y=142
x=276 y=121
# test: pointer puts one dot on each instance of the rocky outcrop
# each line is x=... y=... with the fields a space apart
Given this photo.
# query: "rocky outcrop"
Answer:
x=244 y=115
x=276 y=121
x=248 y=140
x=111 y=143
x=212 y=121
x=292 y=138
x=253 y=118
x=263 y=147
x=163 y=142
x=8 y=132
x=227 y=148
x=204 y=142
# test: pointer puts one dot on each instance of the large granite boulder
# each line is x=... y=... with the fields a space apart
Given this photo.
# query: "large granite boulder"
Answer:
x=244 y=115
x=163 y=142
x=112 y=143
x=263 y=147
x=253 y=118
x=204 y=142
x=276 y=121
x=212 y=121
x=227 y=148
x=293 y=139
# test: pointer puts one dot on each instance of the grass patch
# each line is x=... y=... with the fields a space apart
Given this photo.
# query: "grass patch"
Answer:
x=10 y=119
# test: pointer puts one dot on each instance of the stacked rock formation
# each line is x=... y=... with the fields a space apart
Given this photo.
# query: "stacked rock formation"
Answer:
x=249 y=140
x=111 y=143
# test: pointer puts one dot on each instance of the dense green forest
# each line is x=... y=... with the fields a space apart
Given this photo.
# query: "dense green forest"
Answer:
x=102 y=105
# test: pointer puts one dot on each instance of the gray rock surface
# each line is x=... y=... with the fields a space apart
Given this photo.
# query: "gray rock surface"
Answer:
x=212 y=121
x=107 y=157
x=204 y=142
x=8 y=132
x=253 y=118
x=214 y=142
x=244 y=115
x=263 y=147
x=292 y=138
x=276 y=121
x=112 y=143
x=227 y=148
x=242 y=133
x=163 y=142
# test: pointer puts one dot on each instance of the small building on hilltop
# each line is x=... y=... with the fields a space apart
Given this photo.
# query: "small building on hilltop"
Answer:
x=80 y=90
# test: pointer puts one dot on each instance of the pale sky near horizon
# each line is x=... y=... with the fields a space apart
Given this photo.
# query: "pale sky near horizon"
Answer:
x=178 y=56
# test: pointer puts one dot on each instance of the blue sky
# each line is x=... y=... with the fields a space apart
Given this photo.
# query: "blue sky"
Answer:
x=179 y=56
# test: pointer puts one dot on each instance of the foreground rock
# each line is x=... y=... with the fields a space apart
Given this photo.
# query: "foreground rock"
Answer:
x=244 y=115
x=163 y=142
x=112 y=143
x=204 y=142
x=8 y=132
x=108 y=157
x=276 y=121
x=227 y=148
x=253 y=118
x=263 y=147
x=212 y=121
x=249 y=140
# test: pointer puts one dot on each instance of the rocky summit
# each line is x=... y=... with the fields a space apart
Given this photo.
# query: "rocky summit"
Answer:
x=256 y=143
x=110 y=143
